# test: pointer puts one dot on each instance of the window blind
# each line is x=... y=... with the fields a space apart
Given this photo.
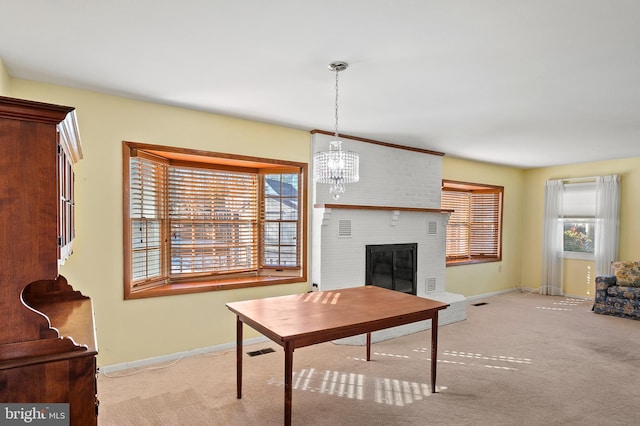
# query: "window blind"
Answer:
x=457 y=240
x=473 y=230
x=212 y=221
x=147 y=214
x=484 y=224
x=579 y=200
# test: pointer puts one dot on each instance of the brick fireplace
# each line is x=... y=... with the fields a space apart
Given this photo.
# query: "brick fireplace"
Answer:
x=396 y=202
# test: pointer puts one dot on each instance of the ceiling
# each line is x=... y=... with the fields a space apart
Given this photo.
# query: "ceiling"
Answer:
x=525 y=83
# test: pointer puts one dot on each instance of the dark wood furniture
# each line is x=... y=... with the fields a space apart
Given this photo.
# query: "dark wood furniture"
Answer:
x=307 y=319
x=47 y=340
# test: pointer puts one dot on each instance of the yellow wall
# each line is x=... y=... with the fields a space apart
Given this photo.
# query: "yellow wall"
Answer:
x=138 y=329
x=578 y=277
x=482 y=278
x=522 y=225
x=4 y=80
x=576 y=270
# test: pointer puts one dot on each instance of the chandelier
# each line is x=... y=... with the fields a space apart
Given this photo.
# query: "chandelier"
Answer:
x=336 y=167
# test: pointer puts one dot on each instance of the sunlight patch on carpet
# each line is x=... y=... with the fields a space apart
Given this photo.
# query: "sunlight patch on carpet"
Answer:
x=399 y=392
x=498 y=362
x=357 y=386
x=566 y=303
x=501 y=358
x=380 y=354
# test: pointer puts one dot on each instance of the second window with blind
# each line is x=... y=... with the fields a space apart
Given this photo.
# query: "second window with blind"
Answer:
x=474 y=231
x=195 y=221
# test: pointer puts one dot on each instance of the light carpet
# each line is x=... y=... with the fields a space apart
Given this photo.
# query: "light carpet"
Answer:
x=521 y=358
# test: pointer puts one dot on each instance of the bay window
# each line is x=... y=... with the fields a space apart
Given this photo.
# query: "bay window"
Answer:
x=198 y=221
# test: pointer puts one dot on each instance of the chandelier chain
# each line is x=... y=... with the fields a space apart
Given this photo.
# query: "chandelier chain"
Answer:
x=337 y=72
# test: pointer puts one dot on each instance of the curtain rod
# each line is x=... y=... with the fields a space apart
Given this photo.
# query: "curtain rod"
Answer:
x=585 y=178
x=581 y=179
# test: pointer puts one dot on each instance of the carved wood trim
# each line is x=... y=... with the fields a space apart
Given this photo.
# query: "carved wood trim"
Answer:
x=70 y=137
x=37 y=112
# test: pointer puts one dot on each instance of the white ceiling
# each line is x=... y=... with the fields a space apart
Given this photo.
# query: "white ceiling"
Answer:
x=526 y=83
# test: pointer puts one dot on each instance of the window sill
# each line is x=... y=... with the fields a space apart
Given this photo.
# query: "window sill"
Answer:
x=212 y=285
x=460 y=262
x=578 y=255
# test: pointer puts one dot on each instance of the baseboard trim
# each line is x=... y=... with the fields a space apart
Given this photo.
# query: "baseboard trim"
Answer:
x=107 y=369
x=576 y=296
x=493 y=293
x=523 y=290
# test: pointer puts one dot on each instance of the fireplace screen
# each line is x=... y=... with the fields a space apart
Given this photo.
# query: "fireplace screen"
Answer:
x=392 y=266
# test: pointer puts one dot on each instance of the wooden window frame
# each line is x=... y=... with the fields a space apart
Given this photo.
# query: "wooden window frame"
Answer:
x=450 y=186
x=280 y=267
x=262 y=275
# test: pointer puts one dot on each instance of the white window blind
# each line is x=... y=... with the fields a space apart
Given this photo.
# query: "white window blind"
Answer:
x=579 y=200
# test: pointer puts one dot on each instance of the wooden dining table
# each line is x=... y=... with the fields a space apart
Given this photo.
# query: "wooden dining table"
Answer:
x=306 y=319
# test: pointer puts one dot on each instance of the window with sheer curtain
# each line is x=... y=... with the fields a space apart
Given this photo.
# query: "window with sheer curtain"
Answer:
x=474 y=231
x=579 y=219
x=195 y=219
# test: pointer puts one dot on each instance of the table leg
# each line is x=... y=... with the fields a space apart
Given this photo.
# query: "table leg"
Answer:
x=368 y=346
x=288 y=382
x=239 y=356
x=434 y=350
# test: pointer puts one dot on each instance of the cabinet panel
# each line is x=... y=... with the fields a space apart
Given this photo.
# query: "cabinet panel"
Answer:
x=47 y=338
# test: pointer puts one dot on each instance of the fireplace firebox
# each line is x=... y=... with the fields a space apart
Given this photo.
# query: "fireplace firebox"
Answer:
x=392 y=266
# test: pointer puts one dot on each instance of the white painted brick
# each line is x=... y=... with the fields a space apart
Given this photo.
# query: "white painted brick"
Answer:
x=388 y=177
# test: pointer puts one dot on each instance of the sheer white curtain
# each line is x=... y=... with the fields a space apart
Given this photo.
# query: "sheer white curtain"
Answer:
x=607 y=222
x=552 y=240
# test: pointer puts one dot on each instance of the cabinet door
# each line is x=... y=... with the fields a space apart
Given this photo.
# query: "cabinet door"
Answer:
x=66 y=206
x=69 y=153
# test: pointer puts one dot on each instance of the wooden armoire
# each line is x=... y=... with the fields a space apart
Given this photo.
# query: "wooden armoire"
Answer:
x=47 y=338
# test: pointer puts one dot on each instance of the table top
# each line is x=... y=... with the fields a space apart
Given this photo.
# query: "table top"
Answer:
x=316 y=317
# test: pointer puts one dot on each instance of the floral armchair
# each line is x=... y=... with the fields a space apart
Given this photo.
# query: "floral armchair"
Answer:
x=619 y=294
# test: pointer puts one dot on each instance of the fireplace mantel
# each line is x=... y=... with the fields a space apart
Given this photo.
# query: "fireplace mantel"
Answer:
x=360 y=207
